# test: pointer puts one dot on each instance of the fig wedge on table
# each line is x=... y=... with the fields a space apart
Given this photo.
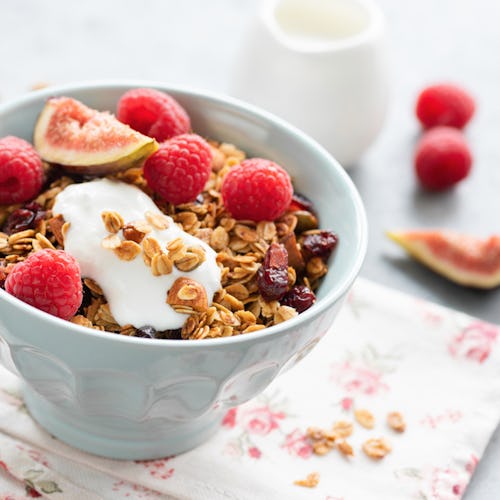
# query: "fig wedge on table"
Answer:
x=462 y=258
x=87 y=141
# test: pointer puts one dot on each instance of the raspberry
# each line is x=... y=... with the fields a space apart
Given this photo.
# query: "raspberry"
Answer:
x=257 y=189
x=180 y=168
x=153 y=113
x=442 y=158
x=48 y=280
x=21 y=171
x=444 y=104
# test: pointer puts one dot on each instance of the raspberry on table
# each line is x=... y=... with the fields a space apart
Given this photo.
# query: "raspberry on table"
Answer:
x=21 y=171
x=442 y=158
x=257 y=189
x=180 y=168
x=444 y=104
x=153 y=113
x=48 y=280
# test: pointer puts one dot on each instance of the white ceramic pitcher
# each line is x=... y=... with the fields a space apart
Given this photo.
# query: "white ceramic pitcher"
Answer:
x=321 y=65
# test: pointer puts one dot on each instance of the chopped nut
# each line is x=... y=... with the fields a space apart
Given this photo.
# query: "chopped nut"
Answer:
x=364 y=418
x=111 y=242
x=342 y=428
x=376 y=448
x=396 y=421
x=157 y=220
x=161 y=264
x=311 y=481
x=56 y=224
x=345 y=448
x=112 y=220
x=183 y=288
x=295 y=258
x=127 y=250
x=136 y=231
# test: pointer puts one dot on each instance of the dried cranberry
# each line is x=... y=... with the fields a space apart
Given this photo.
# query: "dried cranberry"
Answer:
x=319 y=244
x=272 y=276
x=146 y=331
x=24 y=218
x=300 y=202
x=300 y=297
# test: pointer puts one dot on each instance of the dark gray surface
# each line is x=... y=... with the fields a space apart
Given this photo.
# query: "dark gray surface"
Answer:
x=435 y=41
x=196 y=42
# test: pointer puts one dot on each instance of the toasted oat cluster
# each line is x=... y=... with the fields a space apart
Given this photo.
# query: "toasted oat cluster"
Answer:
x=323 y=441
x=240 y=306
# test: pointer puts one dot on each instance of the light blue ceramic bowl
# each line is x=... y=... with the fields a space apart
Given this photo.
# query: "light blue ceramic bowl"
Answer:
x=134 y=398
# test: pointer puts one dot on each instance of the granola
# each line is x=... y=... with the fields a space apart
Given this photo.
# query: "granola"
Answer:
x=311 y=481
x=241 y=246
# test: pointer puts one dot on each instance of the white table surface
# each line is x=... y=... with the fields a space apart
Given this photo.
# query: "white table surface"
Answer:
x=196 y=43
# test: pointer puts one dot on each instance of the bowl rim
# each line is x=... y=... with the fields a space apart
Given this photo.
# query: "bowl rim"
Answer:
x=253 y=112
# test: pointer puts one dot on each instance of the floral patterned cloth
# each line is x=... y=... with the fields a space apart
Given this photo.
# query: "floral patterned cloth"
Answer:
x=386 y=352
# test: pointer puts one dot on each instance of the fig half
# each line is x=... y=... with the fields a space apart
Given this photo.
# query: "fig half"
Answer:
x=86 y=141
x=461 y=258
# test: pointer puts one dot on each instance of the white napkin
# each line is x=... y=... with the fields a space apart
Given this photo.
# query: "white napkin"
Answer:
x=386 y=352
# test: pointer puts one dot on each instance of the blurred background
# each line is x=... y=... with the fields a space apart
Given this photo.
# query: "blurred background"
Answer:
x=198 y=44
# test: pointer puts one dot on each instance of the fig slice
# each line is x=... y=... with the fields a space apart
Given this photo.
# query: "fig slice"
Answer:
x=86 y=141
x=462 y=258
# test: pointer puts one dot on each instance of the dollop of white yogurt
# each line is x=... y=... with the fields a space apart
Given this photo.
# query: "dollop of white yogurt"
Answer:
x=134 y=295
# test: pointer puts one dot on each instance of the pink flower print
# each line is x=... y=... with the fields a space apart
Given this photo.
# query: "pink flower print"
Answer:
x=446 y=484
x=358 y=378
x=3 y=465
x=470 y=466
x=346 y=403
x=261 y=420
x=31 y=492
x=229 y=419
x=129 y=490
x=254 y=452
x=157 y=468
x=296 y=444
x=448 y=416
x=474 y=342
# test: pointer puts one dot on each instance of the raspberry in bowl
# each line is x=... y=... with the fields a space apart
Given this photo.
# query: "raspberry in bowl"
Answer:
x=248 y=298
